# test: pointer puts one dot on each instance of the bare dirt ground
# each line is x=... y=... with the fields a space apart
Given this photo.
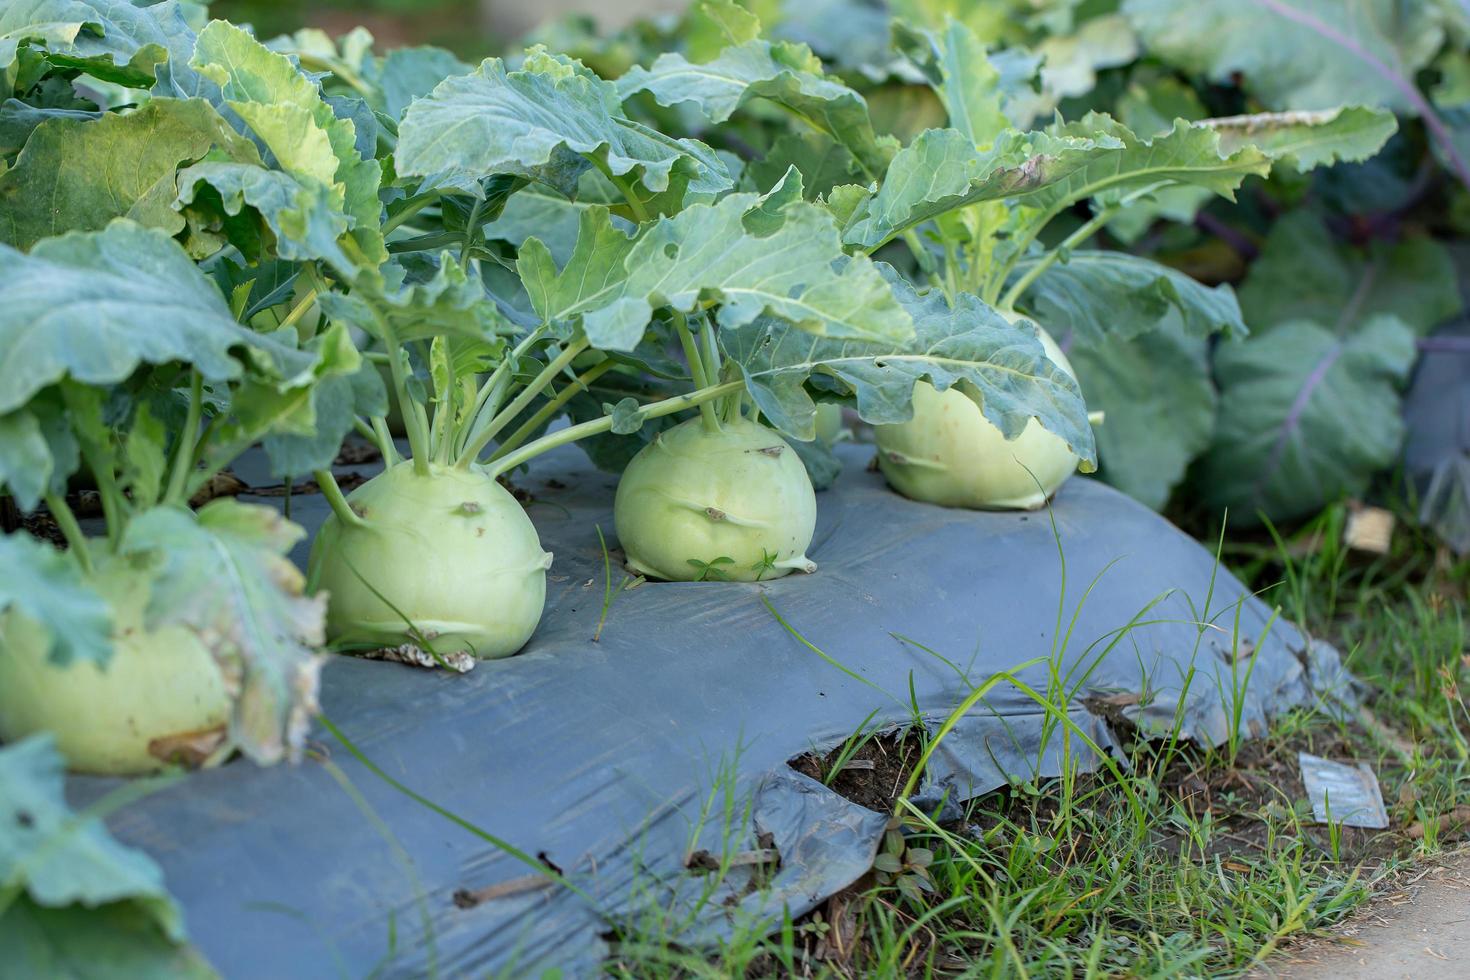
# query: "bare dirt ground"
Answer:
x=1421 y=929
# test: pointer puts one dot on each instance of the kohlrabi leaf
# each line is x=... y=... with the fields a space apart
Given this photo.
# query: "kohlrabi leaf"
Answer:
x=1298 y=54
x=787 y=262
x=94 y=305
x=286 y=112
x=78 y=903
x=1307 y=415
x=349 y=387
x=112 y=40
x=1308 y=139
x=1070 y=60
x=548 y=121
x=448 y=303
x=38 y=451
x=298 y=216
x=823 y=162
x=77 y=174
x=1303 y=273
x=541 y=213
x=406 y=74
x=1158 y=406
x=1001 y=366
x=954 y=62
x=115 y=942
x=222 y=573
x=1101 y=296
x=46 y=586
x=1188 y=154
x=785 y=73
x=59 y=858
x=943 y=170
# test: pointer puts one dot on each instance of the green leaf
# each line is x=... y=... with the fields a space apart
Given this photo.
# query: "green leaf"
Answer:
x=60 y=859
x=1298 y=54
x=77 y=174
x=1158 y=403
x=47 y=587
x=541 y=213
x=1101 y=296
x=286 y=112
x=109 y=39
x=25 y=459
x=1304 y=274
x=410 y=73
x=448 y=303
x=302 y=217
x=822 y=162
x=1309 y=139
x=223 y=574
x=336 y=400
x=796 y=270
x=956 y=66
x=943 y=170
x=546 y=122
x=115 y=942
x=785 y=73
x=143 y=460
x=1001 y=366
x=94 y=305
x=1307 y=415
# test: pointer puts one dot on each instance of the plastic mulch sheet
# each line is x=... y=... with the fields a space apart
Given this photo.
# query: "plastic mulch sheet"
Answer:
x=616 y=760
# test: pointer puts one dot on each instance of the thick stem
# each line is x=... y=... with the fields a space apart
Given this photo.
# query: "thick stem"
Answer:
x=594 y=427
x=640 y=212
x=549 y=410
x=184 y=452
x=696 y=369
x=336 y=500
x=76 y=541
x=519 y=404
x=298 y=310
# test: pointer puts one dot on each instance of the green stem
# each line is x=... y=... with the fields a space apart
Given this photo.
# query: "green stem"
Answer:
x=696 y=369
x=336 y=500
x=62 y=514
x=712 y=362
x=1051 y=258
x=410 y=209
x=385 y=443
x=492 y=390
x=553 y=406
x=415 y=422
x=572 y=433
x=298 y=310
x=519 y=404
x=184 y=452
x=471 y=230
x=640 y=213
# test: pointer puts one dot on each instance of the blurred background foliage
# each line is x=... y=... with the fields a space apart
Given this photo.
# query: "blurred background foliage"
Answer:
x=470 y=28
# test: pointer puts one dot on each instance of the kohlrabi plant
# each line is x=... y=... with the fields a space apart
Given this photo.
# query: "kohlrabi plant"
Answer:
x=172 y=635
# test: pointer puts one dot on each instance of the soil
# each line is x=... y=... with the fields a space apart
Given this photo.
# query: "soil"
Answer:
x=873 y=776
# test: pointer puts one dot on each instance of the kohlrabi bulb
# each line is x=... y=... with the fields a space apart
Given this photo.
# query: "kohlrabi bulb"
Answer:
x=951 y=454
x=450 y=551
x=733 y=504
x=159 y=686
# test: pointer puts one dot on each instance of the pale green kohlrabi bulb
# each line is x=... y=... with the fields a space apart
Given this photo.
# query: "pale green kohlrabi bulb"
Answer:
x=950 y=454
x=160 y=687
x=733 y=504
x=451 y=552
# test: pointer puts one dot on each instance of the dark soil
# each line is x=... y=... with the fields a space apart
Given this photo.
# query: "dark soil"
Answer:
x=873 y=776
